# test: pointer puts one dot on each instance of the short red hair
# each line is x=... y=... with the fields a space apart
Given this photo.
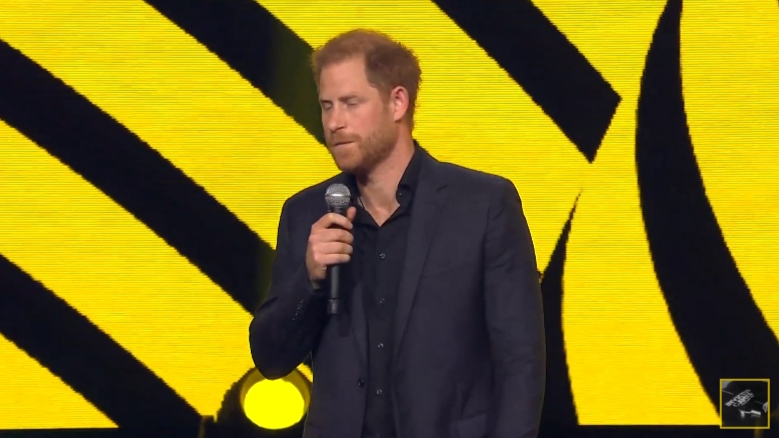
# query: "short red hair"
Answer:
x=388 y=63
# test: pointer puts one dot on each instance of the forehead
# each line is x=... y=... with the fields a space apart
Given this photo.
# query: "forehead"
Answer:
x=347 y=76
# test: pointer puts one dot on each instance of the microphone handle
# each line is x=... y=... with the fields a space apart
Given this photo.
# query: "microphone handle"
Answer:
x=334 y=292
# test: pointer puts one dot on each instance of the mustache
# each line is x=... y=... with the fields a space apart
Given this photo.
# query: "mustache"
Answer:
x=336 y=139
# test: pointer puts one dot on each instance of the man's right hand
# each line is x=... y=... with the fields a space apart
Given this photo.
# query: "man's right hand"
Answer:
x=330 y=243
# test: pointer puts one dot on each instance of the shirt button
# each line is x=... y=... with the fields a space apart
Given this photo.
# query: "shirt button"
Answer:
x=381 y=345
x=379 y=392
x=381 y=301
x=381 y=256
x=360 y=382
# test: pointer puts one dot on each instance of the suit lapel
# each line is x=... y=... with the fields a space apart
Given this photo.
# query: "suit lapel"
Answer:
x=425 y=213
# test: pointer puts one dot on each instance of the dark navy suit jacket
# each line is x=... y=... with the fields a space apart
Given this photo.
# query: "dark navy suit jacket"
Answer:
x=469 y=346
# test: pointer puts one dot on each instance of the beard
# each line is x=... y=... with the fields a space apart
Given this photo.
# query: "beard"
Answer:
x=364 y=153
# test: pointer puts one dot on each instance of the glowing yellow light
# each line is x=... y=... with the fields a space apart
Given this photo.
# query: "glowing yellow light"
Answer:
x=274 y=404
x=277 y=404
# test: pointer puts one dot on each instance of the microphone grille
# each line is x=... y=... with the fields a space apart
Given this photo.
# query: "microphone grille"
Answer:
x=337 y=195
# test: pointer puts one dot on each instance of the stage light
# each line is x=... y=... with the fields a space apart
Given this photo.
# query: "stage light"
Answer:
x=277 y=404
x=255 y=407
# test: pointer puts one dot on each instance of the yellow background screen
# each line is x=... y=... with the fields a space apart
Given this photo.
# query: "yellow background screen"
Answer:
x=629 y=356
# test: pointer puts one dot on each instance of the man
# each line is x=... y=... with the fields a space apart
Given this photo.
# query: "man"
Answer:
x=442 y=333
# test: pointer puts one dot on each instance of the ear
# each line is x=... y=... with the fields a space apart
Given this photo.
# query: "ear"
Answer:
x=398 y=100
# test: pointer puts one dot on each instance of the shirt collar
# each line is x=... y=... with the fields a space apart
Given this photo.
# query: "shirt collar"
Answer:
x=408 y=182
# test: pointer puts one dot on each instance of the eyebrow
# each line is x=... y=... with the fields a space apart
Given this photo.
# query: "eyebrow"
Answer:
x=348 y=97
x=342 y=98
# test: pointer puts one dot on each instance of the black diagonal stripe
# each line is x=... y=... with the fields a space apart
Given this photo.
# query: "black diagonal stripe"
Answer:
x=134 y=175
x=84 y=357
x=711 y=306
x=547 y=66
x=559 y=409
x=257 y=45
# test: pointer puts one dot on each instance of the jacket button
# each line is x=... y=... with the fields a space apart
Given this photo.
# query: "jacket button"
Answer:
x=360 y=382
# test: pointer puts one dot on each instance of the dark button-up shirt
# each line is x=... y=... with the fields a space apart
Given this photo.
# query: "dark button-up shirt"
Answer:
x=379 y=255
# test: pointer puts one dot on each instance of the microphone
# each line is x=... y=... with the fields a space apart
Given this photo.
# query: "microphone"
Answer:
x=337 y=197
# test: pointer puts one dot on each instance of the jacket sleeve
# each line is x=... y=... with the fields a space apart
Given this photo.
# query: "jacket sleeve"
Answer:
x=287 y=325
x=515 y=317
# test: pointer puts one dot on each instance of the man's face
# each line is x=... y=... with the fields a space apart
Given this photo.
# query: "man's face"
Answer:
x=359 y=127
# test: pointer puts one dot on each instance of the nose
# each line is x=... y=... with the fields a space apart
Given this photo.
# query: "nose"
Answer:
x=334 y=120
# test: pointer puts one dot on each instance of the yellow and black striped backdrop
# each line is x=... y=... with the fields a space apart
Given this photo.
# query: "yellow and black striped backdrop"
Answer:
x=146 y=148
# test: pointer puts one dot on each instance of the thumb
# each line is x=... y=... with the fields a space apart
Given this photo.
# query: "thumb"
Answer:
x=350 y=213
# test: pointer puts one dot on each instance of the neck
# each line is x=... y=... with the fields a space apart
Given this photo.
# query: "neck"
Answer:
x=378 y=188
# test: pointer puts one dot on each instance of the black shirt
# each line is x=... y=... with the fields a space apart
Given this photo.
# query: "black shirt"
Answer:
x=379 y=255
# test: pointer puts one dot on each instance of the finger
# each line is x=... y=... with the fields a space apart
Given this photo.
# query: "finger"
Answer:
x=341 y=221
x=351 y=213
x=334 y=259
x=336 y=235
x=331 y=235
x=328 y=248
x=331 y=220
x=325 y=221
